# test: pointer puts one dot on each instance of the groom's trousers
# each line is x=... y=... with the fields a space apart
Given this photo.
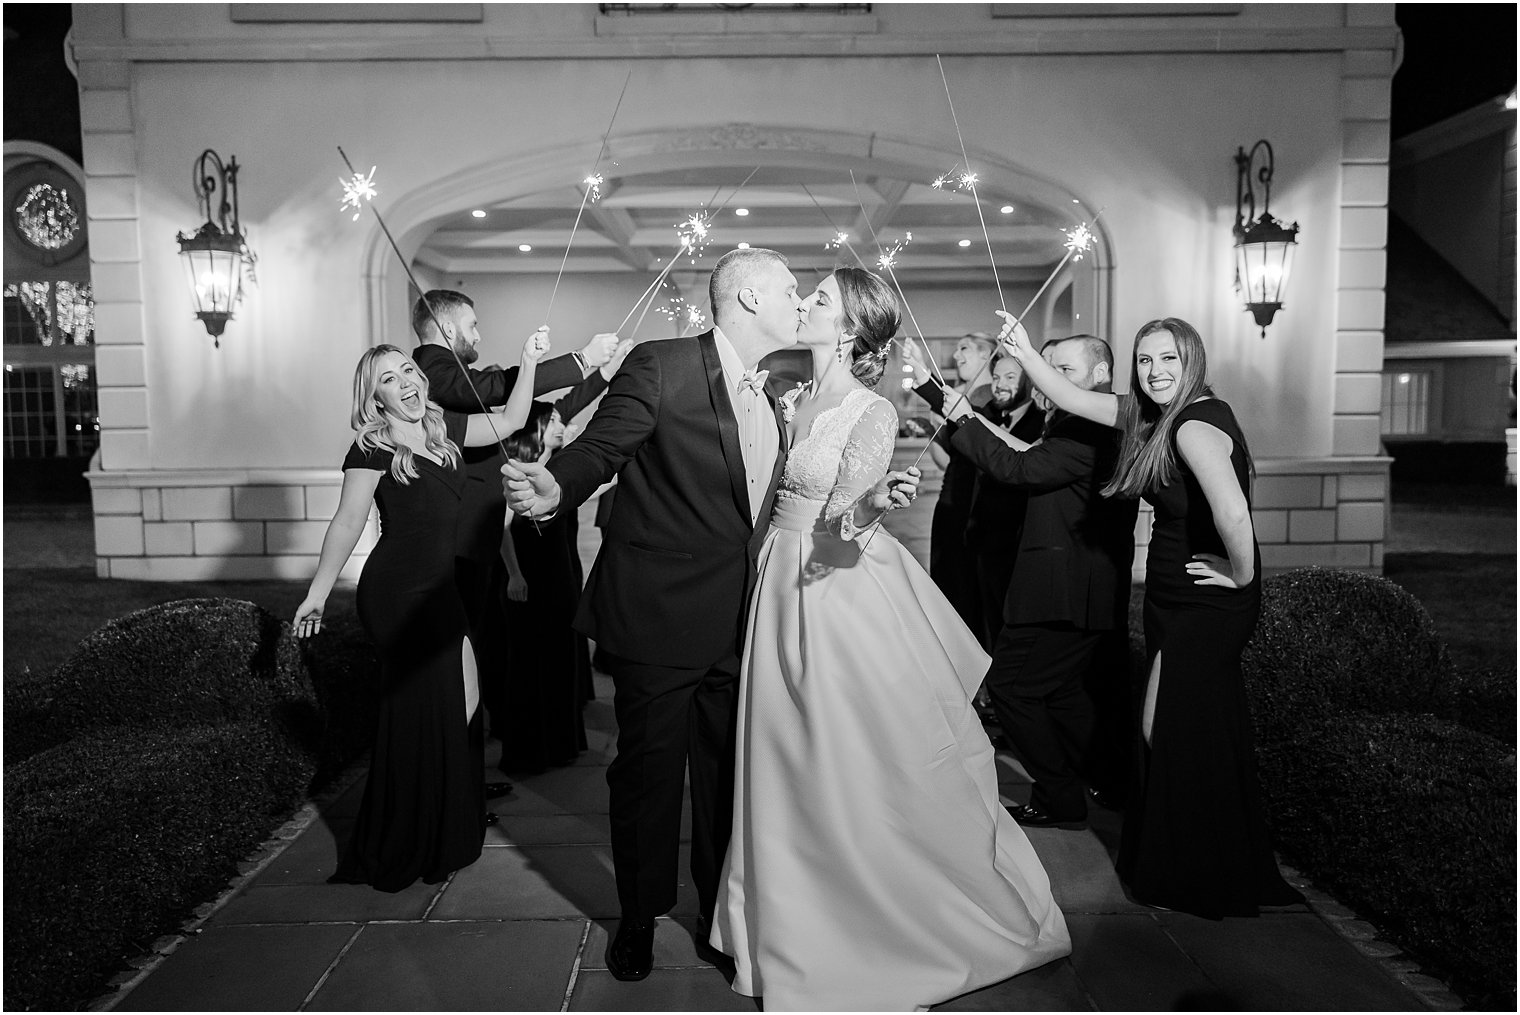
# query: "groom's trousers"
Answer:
x=669 y=720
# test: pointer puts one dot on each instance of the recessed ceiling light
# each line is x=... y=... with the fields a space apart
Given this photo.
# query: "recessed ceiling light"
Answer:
x=744 y=246
x=479 y=213
x=1007 y=209
x=741 y=212
x=963 y=243
x=525 y=247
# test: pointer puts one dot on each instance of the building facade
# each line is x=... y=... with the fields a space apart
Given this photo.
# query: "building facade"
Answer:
x=222 y=462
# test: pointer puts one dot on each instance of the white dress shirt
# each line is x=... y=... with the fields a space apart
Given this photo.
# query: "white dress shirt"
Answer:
x=758 y=438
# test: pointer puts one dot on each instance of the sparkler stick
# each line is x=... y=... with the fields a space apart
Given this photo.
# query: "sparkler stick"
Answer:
x=593 y=185
x=1078 y=241
x=886 y=261
x=359 y=188
x=693 y=240
x=968 y=179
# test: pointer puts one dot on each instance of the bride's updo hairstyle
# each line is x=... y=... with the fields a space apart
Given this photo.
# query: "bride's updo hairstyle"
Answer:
x=872 y=315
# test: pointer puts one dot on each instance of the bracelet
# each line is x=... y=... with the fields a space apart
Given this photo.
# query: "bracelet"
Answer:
x=580 y=361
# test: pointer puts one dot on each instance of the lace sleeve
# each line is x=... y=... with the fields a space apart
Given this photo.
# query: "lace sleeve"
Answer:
x=867 y=453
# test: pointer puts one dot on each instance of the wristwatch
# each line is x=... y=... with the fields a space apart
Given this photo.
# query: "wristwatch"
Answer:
x=580 y=361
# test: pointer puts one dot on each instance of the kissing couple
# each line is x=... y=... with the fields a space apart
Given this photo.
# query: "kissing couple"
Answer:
x=756 y=618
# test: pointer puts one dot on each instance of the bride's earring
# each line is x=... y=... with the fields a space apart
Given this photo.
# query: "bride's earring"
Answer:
x=839 y=352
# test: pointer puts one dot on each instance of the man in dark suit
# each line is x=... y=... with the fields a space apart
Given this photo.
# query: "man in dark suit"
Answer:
x=1072 y=569
x=698 y=448
x=481 y=576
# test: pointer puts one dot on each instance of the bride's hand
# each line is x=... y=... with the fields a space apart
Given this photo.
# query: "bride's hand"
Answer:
x=896 y=490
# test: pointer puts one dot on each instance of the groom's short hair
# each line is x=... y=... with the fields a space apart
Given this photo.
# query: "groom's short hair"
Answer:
x=735 y=270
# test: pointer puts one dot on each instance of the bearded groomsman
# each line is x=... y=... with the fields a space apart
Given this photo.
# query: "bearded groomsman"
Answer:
x=481 y=573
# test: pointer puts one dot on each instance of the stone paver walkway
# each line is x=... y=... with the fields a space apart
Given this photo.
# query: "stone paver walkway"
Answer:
x=524 y=929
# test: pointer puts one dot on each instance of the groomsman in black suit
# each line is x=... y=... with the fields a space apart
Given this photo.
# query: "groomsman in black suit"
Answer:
x=691 y=430
x=481 y=575
x=1071 y=573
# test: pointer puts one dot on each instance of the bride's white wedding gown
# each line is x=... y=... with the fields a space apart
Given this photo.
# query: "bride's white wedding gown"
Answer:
x=871 y=866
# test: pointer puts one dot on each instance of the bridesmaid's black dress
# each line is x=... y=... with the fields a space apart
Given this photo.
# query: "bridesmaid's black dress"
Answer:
x=422 y=814
x=1195 y=838
x=545 y=680
x=950 y=560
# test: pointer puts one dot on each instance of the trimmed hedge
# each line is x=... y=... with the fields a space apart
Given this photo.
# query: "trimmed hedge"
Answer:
x=142 y=770
x=1371 y=788
x=1339 y=639
x=113 y=838
x=1410 y=819
x=186 y=663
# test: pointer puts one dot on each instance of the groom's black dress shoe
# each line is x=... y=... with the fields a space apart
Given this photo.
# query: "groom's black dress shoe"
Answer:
x=630 y=953
x=1033 y=817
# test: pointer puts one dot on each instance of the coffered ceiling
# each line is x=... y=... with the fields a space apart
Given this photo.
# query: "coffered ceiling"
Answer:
x=798 y=211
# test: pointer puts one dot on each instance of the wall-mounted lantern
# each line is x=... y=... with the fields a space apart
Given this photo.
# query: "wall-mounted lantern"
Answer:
x=1263 y=245
x=215 y=255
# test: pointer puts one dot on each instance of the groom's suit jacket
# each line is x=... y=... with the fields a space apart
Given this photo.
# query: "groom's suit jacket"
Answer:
x=672 y=581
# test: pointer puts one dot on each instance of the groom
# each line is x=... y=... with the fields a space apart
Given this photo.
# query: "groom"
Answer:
x=698 y=448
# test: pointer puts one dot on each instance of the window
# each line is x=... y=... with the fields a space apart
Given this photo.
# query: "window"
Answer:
x=1406 y=402
x=50 y=398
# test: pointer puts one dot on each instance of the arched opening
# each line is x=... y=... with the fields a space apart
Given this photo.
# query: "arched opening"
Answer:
x=822 y=198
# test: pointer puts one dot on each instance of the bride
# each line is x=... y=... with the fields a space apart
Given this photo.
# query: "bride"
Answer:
x=872 y=866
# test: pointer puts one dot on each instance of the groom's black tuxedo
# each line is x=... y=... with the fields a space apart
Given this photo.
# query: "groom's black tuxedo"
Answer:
x=666 y=603
x=672 y=580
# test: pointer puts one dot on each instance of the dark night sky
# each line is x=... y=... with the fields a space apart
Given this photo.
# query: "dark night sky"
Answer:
x=1455 y=56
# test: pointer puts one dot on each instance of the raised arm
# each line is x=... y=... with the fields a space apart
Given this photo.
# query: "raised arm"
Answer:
x=858 y=498
x=961 y=411
x=1206 y=449
x=337 y=545
x=487 y=429
x=1098 y=406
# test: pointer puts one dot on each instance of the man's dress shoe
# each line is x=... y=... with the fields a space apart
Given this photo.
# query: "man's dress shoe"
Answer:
x=630 y=953
x=499 y=788
x=1031 y=816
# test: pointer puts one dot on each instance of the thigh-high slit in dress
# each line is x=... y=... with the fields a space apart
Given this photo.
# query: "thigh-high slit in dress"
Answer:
x=1195 y=838
x=422 y=814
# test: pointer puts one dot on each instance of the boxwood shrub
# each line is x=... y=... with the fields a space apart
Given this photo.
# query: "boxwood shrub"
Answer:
x=186 y=663
x=1409 y=819
x=112 y=838
x=1329 y=638
x=138 y=774
x=1372 y=788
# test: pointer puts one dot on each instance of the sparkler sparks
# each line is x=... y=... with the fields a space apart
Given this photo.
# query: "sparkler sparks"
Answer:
x=841 y=239
x=357 y=189
x=693 y=234
x=678 y=309
x=593 y=184
x=888 y=259
x=966 y=181
x=1078 y=241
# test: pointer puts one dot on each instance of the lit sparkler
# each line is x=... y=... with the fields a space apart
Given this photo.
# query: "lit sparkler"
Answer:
x=593 y=184
x=888 y=259
x=968 y=180
x=693 y=233
x=1079 y=240
x=841 y=239
x=358 y=190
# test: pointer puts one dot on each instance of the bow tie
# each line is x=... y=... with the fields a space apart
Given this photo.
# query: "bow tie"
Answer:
x=754 y=380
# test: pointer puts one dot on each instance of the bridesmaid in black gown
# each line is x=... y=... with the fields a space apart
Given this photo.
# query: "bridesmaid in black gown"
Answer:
x=1195 y=838
x=421 y=814
x=950 y=560
x=545 y=676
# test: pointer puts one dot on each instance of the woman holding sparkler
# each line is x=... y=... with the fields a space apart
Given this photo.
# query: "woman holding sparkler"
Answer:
x=872 y=866
x=950 y=563
x=421 y=813
x=1195 y=838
